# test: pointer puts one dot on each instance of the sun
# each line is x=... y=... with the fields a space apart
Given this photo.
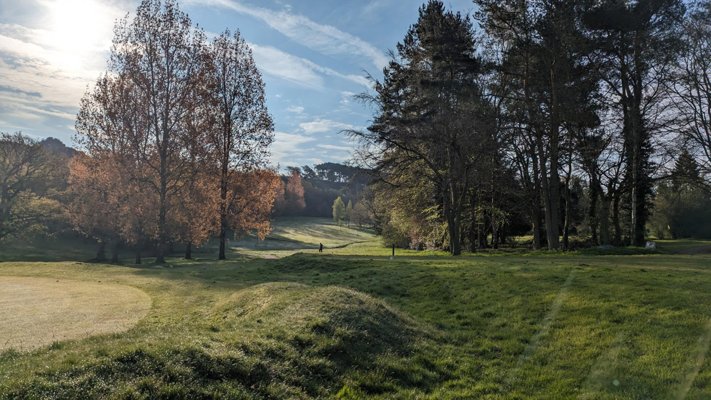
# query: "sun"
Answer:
x=76 y=29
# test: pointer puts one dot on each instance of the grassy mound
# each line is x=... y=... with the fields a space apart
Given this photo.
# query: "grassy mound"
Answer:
x=276 y=340
x=347 y=326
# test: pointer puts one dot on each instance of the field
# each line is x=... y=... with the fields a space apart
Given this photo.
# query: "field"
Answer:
x=279 y=322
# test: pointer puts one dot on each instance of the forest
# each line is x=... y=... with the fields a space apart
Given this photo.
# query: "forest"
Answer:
x=579 y=123
x=567 y=124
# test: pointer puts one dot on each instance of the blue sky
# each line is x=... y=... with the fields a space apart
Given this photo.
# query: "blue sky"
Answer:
x=314 y=56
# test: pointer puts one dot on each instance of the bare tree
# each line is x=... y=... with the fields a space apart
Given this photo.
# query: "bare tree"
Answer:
x=691 y=86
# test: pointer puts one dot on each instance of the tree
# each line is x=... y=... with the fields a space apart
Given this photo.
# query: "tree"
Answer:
x=361 y=215
x=638 y=44
x=682 y=209
x=99 y=205
x=26 y=177
x=339 y=211
x=691 y=85
x=155 y=70
x=244 y=128
x=349 y=212
x=197 y=219
x=432 y=116
x=251 y=196
x=547 y=86
x=292 y=202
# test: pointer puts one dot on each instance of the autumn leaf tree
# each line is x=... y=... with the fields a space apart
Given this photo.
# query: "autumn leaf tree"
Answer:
x=292 y=201
x=243 y=129
x=95 y=207
x=162 y=54
x=251 y=196
x=143 y=113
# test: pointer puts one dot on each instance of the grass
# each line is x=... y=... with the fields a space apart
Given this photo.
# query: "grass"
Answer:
x=40 y=311
x=356 y=324
x=290 y=235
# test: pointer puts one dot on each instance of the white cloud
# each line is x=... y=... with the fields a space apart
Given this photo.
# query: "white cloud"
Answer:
x=49 y=54
x=335 y=147
x=324 y=125
x=288 y=67
x=295 y=109
x=287 y=147
x=298 y=70
x=325 y=39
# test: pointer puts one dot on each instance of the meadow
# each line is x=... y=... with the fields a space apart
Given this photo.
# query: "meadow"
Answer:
x=280 y=320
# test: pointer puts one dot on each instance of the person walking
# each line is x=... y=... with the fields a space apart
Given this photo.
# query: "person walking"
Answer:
x=320 y=247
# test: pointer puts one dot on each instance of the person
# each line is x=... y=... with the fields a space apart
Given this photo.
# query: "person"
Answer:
x=320 y=247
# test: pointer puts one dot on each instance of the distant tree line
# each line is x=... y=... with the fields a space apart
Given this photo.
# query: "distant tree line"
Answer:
x=556 y=118
x=311 y=191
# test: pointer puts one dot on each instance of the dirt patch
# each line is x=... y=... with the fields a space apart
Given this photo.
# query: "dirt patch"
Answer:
x=35 y=312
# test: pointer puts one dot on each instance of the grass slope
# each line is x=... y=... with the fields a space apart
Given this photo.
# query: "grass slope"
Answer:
x=363 y=326
x=290 y=235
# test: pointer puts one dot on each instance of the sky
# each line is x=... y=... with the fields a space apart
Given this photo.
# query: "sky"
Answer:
x=314 y=56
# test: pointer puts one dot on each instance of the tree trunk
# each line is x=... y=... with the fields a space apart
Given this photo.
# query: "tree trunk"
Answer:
x=536 y=206
x=455 y=245
x=162 y=231
x=605 y=221
x=568 y=206
x=566 y=224
x=188 y=251
x=550 y=205
x=223 y=209
x=138 y=257
x=115 y=252
x=472 y=233
x=592 y=210
x=616 y=220
x=101 y=251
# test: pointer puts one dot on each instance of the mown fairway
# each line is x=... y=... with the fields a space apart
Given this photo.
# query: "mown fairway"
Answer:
x=364 y=326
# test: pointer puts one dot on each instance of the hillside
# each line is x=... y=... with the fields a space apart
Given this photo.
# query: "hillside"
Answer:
x=304 y=233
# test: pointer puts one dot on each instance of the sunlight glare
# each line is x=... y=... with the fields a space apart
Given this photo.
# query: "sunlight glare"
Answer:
x=76 y=29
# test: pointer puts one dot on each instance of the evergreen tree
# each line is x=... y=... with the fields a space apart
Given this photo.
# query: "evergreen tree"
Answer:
x=638 y=42
x=433 y=119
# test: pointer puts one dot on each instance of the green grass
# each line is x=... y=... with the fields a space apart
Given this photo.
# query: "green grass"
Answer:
x=46 y=249
x=356 y=324
x=298 y=233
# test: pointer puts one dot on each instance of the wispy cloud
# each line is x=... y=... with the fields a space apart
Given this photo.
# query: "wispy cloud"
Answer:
x=325 y=39
x=291 y=109
x=298 y=70
x=289 y=146
x=324 y=125
x=334 y=147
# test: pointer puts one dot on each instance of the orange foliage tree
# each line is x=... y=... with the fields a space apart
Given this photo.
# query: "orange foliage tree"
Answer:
x=251 y=198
